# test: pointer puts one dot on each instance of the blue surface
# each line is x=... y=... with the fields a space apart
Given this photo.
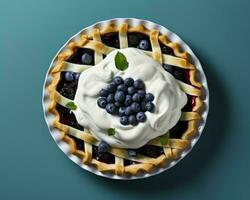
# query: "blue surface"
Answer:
x=33 y=167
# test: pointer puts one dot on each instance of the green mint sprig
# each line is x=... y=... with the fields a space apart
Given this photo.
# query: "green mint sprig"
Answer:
x=111 y=131
x=121 y=62
x=71 y=105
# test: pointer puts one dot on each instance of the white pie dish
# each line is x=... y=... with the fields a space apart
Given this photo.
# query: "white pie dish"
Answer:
x=173 y=37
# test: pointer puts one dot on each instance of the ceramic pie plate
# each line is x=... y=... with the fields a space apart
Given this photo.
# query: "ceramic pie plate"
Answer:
x=133 y=22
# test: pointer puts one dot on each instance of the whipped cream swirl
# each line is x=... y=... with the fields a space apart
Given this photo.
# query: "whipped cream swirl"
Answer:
x=169 y=100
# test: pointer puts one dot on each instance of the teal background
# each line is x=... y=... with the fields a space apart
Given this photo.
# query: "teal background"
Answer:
x=33 y=167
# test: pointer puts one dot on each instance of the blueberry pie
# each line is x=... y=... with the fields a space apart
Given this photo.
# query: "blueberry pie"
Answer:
x=125 y=98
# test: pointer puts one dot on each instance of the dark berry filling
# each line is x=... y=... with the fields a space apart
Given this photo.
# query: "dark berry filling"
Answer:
x=82 y=56
x=68 y=84
x=178 y=73
x=190 y=103
x=178 y=130
x=102 y=157
x=111 y=40
x=140 y=41
x=67 y=117
x=79 y=143
x=166 y=50
x=67 y=90
x=151 y=151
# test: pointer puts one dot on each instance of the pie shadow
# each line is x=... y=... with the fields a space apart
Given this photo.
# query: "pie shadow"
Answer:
x=195 y=165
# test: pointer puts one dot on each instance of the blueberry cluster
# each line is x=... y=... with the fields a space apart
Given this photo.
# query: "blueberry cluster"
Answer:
x=128 y=99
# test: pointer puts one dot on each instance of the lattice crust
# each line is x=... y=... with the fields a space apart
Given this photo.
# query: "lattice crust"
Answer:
x=174 y=147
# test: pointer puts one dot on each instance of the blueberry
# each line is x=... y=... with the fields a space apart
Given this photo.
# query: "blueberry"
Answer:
x=150 y=106
x=101 y=102
x=119 y=96
x=111 y=87
x=103 y=93
x=128 y=111
x=77 y=75
x=144 y=44
x=69 y=76
x=124 y=120
x=118 y=105
x=167 y=50
x=141 y=117
x=122 y=87
x=129 y=82
x=118 y=80
x=139 y=84
x=110 y=108
x=169 y=68
x=136 y=97
x=149 y=97
x=135 y=107
x=122 y=111
x=132 y=120
x=128 y=100
x=131 y=90
x=110 y=98
x=86 y=59
x=141 y=93
x=103 y=147
x=132 y=152
x=151 y=151
x=143 y=106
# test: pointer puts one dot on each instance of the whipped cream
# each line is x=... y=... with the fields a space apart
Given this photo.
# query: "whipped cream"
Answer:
x=169 y=100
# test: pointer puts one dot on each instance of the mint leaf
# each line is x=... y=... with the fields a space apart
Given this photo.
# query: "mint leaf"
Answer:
x=111 y=131
x=121 y=62
x=164 y=139
x=71 y=105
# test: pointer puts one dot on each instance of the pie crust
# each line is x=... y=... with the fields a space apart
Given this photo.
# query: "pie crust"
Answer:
x=144 y=164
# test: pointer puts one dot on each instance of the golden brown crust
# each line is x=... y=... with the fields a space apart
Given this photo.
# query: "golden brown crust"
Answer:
x=156 y=50
x=174 y=147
